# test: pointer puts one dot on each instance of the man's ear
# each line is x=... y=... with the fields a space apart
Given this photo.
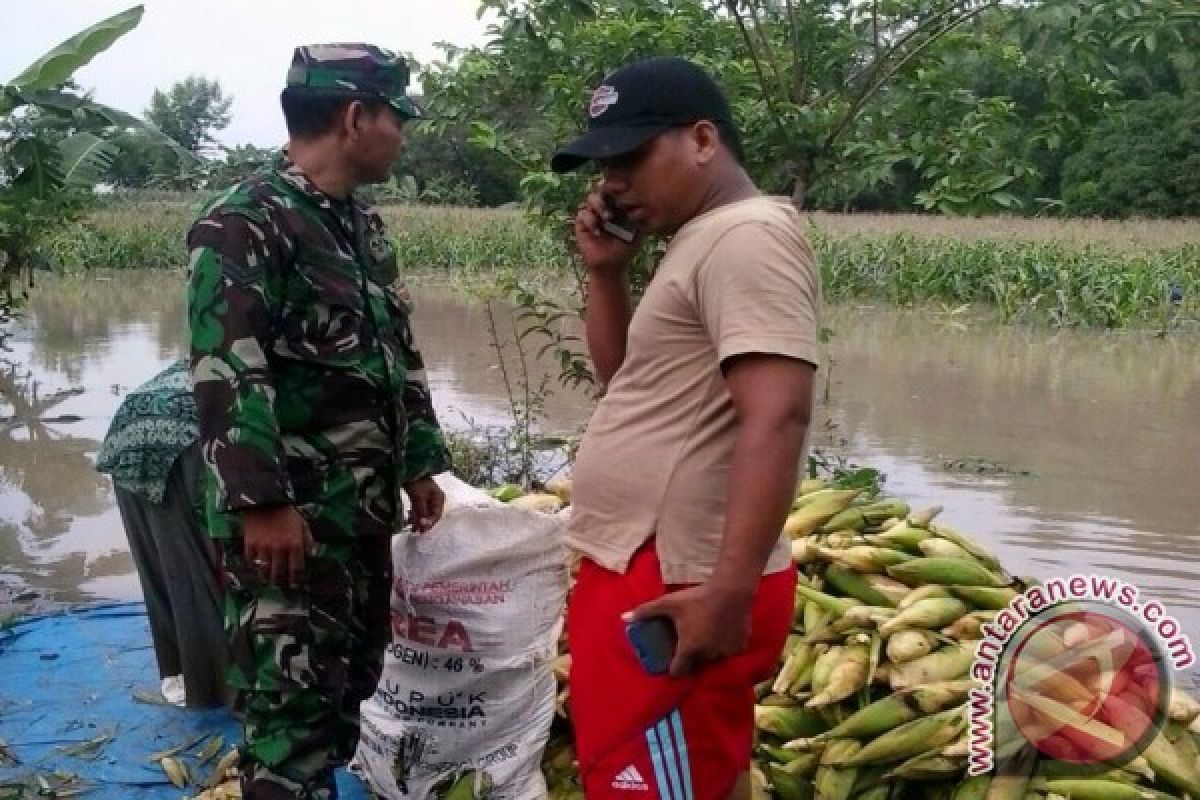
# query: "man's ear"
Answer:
x=352 y=119
x=706 y=141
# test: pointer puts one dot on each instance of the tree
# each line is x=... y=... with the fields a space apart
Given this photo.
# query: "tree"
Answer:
x=445 y=166
x=236 y=165
x=1141 y=159
x=800 y=73
x=54 y=142
x=191 y=112
x=140 y=161
x=956 y=106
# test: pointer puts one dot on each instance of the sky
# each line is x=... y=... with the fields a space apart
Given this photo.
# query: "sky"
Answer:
x=246 y=45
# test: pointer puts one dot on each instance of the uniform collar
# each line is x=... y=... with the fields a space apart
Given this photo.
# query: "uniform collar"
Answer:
x=299 y=180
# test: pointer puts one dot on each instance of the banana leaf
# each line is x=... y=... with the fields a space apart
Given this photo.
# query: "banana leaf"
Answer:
x=57 y=66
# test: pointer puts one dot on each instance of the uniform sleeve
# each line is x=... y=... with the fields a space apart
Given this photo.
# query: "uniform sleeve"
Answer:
x=759 y=292
x=229 y=330
x=425 y=451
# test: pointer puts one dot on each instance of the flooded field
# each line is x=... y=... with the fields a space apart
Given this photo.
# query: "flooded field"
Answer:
x=1089 y=443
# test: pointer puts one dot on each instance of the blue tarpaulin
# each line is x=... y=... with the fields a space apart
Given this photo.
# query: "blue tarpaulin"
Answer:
x=70 y=678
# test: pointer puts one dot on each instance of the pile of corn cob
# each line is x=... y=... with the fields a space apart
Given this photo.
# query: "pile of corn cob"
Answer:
x=870 y=700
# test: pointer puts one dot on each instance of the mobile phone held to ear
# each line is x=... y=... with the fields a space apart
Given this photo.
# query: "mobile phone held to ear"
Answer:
x=653 y=641
x=618 y=225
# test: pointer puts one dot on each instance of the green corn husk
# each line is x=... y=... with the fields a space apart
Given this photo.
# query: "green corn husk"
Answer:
x=923 y=593
x=862 y=618
x=835 y=779
x=798 y=660
x=953 y=661
x=909 y=645
x=903 y=537
x=945 y=571
x=987 y=598
x=788 y=723
x=928 y=614
x=471 y=785
x=815 y=617
x=975 y=787
x=1097 y=789
x=774 y=753
x=827 y=602
x=840 y=540
x=861 y=587
x=923 y=518
x=851 y=519
x=883 y=510
x=982 y=555
x=969 y=626
x=787 y=784
x=823 y=668
x=870 y=779
x=899 y=708
x=928 y=767
x=1171 y=768
x=813 y=514
x=847 y=676
x=864 y=558
x=912 y=738
x=937 y=547
x=1049 y=769
x=808 y=498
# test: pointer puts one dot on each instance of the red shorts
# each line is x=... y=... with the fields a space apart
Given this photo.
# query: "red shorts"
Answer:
x=645 y=737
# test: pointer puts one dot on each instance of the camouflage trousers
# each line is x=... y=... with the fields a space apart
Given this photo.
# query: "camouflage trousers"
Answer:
x=302 y=660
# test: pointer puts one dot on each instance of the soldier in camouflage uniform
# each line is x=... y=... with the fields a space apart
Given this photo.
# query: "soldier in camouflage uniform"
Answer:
x=314 y=414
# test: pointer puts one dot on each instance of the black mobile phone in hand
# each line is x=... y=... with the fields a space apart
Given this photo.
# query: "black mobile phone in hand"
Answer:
x=618 y=224
x=653 y=641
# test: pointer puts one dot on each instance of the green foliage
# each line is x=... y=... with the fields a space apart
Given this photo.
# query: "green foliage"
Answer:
x=963 y=107
x=236 y=164
x=799 y=74
x=1025 y=281
x=191 y=112
x=446 y=168
x=1143 y=160
x=52 y=146
x=56 y=67
x=1070 y=280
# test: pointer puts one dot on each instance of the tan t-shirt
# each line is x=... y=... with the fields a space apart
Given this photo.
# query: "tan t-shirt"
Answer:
x=656 y=456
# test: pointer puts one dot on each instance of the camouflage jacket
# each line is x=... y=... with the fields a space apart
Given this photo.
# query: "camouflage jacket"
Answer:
x=308 y=385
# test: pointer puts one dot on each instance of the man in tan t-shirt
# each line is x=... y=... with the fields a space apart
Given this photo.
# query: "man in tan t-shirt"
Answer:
x=689 y=465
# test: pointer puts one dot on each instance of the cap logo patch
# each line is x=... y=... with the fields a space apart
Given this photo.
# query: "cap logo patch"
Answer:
x=602 y=99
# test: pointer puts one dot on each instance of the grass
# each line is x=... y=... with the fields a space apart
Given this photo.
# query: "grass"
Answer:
x=1091 y=273
x=1122 y=235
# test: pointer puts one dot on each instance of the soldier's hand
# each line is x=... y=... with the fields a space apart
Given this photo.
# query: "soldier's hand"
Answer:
x=427 y=501
x=277 y=541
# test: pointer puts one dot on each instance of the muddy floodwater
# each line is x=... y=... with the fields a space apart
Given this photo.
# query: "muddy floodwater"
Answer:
x=1067 y=452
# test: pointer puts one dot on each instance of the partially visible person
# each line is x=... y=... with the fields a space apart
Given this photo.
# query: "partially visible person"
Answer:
x=315 y=418
x=689 y=464
x=152 y=452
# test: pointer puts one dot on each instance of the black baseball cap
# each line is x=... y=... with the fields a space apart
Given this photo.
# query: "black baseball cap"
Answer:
x=638 y=102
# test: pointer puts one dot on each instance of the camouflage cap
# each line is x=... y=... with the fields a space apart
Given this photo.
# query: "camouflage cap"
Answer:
x=354 y=67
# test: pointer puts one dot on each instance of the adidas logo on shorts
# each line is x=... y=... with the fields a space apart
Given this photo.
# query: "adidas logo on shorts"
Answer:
x=630 y=779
